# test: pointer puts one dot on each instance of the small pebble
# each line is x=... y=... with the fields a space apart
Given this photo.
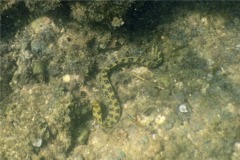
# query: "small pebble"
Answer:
x=66 y=78
x=238 y=47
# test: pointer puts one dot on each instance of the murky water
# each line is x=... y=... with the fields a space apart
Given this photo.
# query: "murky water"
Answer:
x=187 y=108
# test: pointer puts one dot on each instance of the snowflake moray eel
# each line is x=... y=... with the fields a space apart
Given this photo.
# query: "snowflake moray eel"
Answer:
x=114 y=111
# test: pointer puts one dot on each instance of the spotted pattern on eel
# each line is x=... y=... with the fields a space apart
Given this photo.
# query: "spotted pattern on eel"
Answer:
x=114 y=110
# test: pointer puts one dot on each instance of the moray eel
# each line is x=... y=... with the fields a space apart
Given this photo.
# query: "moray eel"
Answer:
x=113 y=111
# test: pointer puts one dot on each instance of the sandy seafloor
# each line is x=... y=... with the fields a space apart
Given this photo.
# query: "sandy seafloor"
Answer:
x=187 y=108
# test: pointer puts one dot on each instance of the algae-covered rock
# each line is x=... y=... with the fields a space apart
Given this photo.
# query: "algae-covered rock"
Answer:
x=35 y=120
x=186 y=108
x=109 y=13
x=7 y=69
x=5 y=5
x=39 y=7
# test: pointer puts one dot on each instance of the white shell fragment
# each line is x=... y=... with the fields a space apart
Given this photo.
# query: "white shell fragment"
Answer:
x=37 y=143
x=183 y=108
